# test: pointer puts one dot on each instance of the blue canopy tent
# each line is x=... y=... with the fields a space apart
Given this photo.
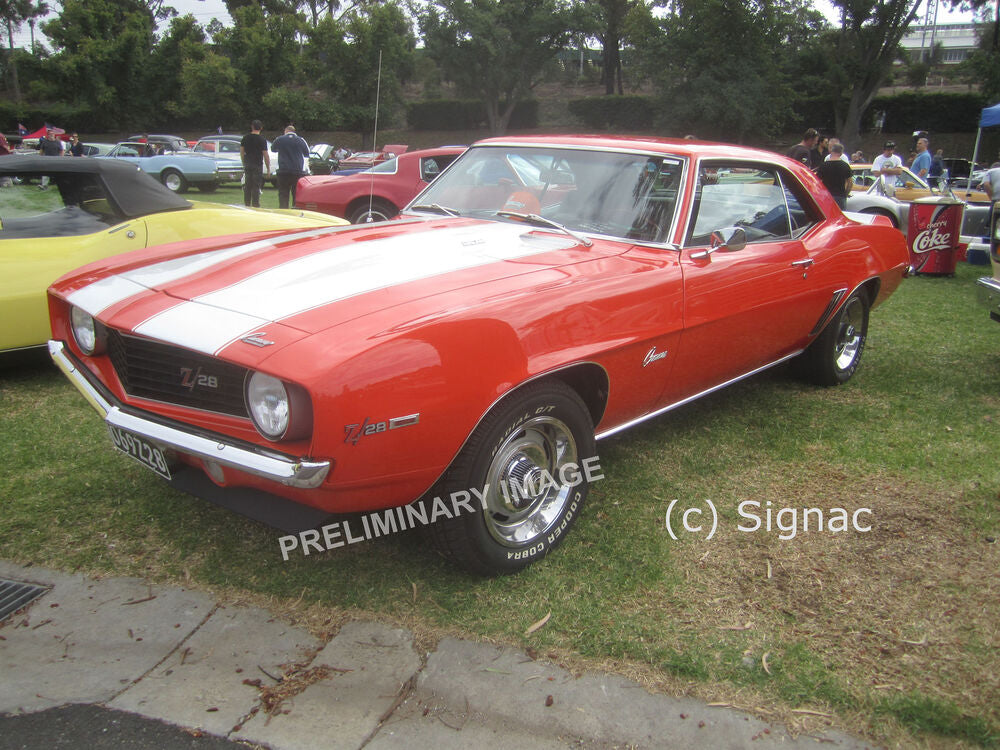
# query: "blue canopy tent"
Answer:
x=989 y=118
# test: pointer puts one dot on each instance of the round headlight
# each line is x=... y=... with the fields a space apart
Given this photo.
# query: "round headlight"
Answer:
x=267 y=401
x=84 y=330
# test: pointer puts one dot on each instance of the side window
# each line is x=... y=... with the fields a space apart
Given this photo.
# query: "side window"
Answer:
x=737 y=195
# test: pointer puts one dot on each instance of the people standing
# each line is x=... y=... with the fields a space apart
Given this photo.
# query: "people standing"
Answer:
x=820 y=151
x=293 y=153
x=888 y=166
x=936 y=172
x=836 y=174
x=802 y=152
x=253 y=152
x=921 y=164
x=48 y=145
x=832 y=155
x=75 y=147
x=991 y=183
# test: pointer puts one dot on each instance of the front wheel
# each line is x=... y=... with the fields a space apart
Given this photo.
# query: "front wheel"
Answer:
x=836 y=353
x=378 y=211
x=530 y=460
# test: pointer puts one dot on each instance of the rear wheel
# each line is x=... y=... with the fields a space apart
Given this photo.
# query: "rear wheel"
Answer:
x=835 y=355
x=378 y=211
x=883 y=212
x=174 y=181
x=526 y=459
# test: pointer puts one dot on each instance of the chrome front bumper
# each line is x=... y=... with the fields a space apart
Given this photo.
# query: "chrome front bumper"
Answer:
x=989 y=295
x=277 y=467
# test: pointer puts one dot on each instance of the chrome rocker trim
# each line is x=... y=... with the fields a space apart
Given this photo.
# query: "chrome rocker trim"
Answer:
x=274 y=466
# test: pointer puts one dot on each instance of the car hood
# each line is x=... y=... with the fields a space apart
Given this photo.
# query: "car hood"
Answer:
x=293 y=285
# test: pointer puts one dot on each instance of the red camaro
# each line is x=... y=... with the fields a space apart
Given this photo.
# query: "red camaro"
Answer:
x=454 y=367
x=376 y=194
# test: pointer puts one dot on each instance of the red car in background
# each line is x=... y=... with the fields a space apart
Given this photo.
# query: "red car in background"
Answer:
x=378 y=193
x=367 y=159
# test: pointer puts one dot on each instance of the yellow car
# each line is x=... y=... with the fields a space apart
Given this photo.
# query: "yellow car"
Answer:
x=908 y=186
x=57 y=214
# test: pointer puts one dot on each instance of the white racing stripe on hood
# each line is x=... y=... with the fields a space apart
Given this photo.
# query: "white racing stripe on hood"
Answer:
x=114 y=289
x=210 y=322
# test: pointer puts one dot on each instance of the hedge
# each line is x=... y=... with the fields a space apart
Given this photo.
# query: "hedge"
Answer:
x=465 y=114
x=936 y=113
x=629 y=112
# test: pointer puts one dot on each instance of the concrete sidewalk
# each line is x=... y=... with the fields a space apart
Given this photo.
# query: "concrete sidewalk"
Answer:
x=178 y=656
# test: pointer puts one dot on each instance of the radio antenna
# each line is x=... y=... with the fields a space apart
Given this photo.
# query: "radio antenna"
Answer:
x=371 y=177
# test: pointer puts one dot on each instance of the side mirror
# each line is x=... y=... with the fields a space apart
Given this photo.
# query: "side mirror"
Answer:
x=727 y=239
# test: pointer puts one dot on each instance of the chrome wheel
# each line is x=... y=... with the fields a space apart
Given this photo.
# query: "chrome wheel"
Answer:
x=527 y=493
x=850 y=334
x=529 y=465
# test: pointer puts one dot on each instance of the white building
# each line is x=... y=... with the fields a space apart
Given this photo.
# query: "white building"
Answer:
x=958 y=40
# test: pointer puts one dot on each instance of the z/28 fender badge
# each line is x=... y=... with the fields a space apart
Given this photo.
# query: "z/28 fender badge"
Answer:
x=354 y=432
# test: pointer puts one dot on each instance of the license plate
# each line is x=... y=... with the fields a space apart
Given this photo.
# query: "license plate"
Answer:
x=140 y=449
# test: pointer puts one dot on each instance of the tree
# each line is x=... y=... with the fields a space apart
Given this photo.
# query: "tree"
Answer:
x=497 y=50
x=180 y=48
x=14 y=13
x=341 y=61
x=263 y=48
x=103 y=49
x=609 y=18
x=715 y=66
x=867 y=46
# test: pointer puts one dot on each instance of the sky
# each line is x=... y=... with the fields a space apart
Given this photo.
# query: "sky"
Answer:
x=205 y=10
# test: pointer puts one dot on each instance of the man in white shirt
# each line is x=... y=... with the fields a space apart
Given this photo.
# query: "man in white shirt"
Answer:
x=888 y=166
x=991 y=183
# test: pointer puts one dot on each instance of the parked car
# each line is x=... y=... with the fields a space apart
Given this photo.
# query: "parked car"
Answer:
x=175 y=142
x=462 y=358
x=97 y=149
x=95 y=208
x=989 y=287
x=321 y=158
x=873 y=200
x=378 y=193
x=225 y=150
x=361 y=160
x=176 y=170
x=908 y=186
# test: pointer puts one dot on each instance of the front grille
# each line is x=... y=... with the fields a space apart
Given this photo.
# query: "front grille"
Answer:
x=150 y=369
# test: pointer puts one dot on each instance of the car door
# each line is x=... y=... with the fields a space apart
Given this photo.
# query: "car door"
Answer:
x=752 y=294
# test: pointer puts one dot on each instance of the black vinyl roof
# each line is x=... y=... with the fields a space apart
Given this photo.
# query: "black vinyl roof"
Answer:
x=133 y=191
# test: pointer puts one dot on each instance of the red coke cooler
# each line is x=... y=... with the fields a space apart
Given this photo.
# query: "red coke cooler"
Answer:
x=933 y=234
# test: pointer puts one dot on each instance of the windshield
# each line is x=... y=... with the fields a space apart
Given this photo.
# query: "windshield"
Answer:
x=623 y=195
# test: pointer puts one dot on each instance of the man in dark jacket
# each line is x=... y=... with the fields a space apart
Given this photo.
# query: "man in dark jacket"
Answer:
x=256 y=161
x=293 y=155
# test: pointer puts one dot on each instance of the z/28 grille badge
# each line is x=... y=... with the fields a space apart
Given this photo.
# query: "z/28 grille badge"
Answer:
x=354 y=432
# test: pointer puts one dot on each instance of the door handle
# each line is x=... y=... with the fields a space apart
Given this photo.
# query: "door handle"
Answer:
x=804 y=263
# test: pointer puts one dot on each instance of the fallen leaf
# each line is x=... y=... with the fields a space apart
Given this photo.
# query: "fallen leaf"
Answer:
x=538 y=625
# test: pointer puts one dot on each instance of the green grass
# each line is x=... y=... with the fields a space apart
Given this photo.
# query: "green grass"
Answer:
x=894 y=631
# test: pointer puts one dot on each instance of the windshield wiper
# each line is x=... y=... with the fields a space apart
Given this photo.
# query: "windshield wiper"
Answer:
x=436 y=207
x=542 y=221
